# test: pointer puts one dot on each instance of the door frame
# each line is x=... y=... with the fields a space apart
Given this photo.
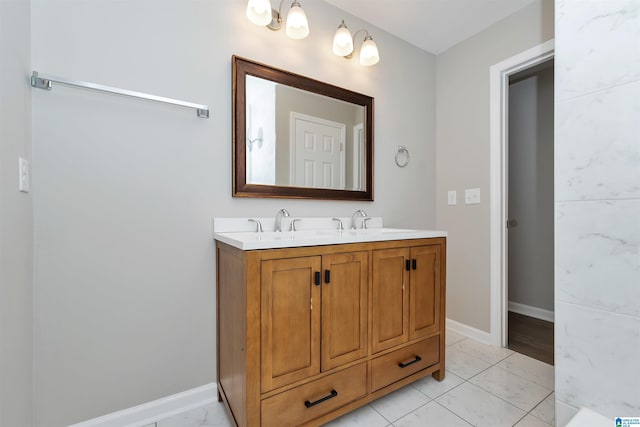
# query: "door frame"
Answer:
x=498 y=140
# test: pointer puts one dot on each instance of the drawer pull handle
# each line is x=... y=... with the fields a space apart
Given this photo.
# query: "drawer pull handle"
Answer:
x=416 y=360
x=330 y=396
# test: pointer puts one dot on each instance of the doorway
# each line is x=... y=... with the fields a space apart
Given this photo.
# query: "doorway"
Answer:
x=530 y=212
x=500 y=75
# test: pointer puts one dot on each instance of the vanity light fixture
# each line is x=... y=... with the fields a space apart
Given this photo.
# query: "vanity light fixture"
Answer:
x=260 y=13
x=343 y=45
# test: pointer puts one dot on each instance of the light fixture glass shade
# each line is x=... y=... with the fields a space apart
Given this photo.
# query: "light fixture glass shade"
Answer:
x=369 y=52
x=297 y=25
x=342 y=41
x=259 y=11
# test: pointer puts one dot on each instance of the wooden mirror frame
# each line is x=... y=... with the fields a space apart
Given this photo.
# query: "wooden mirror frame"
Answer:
x=243 y=67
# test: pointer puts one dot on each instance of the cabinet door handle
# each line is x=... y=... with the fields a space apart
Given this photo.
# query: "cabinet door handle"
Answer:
x=407 y=265
x=414 y=264
x=327 y=276
x=330 y=396
x=317 y=278
x=416 y=360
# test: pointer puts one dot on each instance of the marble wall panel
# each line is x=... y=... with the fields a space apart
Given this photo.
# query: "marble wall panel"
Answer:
x=598 y=150
x=597 y=360
x=598 y=254
x=597 y=45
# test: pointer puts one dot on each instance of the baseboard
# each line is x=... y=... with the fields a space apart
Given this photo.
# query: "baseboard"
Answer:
x=469 y=331
x=530 y=311
x=156 y=410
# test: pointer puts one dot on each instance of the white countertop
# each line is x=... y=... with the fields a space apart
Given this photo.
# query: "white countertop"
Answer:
x=249 y=240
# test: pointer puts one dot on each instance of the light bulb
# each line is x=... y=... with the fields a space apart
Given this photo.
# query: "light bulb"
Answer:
x=342 y=42
x=297 y=25
x=369 y=52
x=259 y=11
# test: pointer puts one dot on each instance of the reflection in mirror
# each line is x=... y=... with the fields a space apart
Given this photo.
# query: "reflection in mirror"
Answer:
x=297 y=137
x=302 y=139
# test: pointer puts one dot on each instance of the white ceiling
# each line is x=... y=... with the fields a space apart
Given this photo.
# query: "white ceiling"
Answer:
x=432 y=25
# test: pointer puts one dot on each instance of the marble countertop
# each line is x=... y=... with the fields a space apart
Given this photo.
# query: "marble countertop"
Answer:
x=249 y=240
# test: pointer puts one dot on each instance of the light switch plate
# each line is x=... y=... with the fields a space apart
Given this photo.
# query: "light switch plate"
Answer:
x=452 y=197
x=472 y=196
x=23 y=175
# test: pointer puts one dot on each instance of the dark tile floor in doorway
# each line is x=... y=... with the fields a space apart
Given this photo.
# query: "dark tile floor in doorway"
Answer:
x=531 y=337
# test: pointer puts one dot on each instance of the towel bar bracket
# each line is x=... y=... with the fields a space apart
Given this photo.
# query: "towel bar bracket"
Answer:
x=39 y=82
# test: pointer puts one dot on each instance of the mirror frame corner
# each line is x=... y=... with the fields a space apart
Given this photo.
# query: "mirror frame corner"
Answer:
x=242 y=67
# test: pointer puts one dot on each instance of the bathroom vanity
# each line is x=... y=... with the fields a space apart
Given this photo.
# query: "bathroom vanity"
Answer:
x=311 y=325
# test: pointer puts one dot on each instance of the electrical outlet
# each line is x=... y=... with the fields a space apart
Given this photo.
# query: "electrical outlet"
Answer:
x=472 y=196
x=23 y=175
x=452 y=197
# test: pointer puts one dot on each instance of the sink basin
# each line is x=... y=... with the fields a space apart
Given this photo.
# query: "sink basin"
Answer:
x=246 y=240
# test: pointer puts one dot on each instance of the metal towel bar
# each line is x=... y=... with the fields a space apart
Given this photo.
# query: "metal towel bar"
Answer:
x=45 y=82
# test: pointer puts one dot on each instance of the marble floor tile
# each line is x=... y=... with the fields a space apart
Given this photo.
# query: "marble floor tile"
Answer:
x=508 y=386
x=434 y=388
x=488 y=353
x=211 y=415
x=463 y=364
x=480 y=408
x=453 y=337
x=545 y=410
x=529 y=368
x=431 y=415
x=531 y=421
x=399 y=403
x=365 y=416
x=473 y=392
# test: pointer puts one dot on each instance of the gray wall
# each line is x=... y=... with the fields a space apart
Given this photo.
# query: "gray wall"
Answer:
x=531 y=190
x=597 y=193
x=462 y=133
x=16 y=220
x=127 y=189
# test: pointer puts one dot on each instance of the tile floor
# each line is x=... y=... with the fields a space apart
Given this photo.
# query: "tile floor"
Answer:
x=484 y=386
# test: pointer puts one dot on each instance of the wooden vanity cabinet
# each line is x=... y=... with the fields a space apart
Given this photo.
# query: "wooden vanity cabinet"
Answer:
x=307 y=334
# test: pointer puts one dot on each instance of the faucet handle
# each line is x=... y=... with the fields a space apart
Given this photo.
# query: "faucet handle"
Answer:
x=258 y=225
x=293 y=223
x=364 y=221
x=339 y=221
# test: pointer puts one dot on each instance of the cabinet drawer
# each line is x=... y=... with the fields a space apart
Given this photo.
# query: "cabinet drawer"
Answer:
x=401 y=363
x=314 y=399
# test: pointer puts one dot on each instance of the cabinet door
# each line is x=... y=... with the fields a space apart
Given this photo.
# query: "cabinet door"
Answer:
x=344 y=308
x=425 y=291
x=290 y=315
x=390 y=308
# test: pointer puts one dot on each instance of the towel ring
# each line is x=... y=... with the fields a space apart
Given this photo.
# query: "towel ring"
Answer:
x=402 y=156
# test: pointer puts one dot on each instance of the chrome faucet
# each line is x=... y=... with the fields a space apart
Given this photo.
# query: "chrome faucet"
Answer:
x=357 y=213
x=339 y=221
x=282 y=213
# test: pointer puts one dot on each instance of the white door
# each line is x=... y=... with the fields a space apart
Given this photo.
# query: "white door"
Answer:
x=317 y=152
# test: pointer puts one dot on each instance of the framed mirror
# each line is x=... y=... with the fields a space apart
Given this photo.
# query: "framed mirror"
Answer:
x=296 y=137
